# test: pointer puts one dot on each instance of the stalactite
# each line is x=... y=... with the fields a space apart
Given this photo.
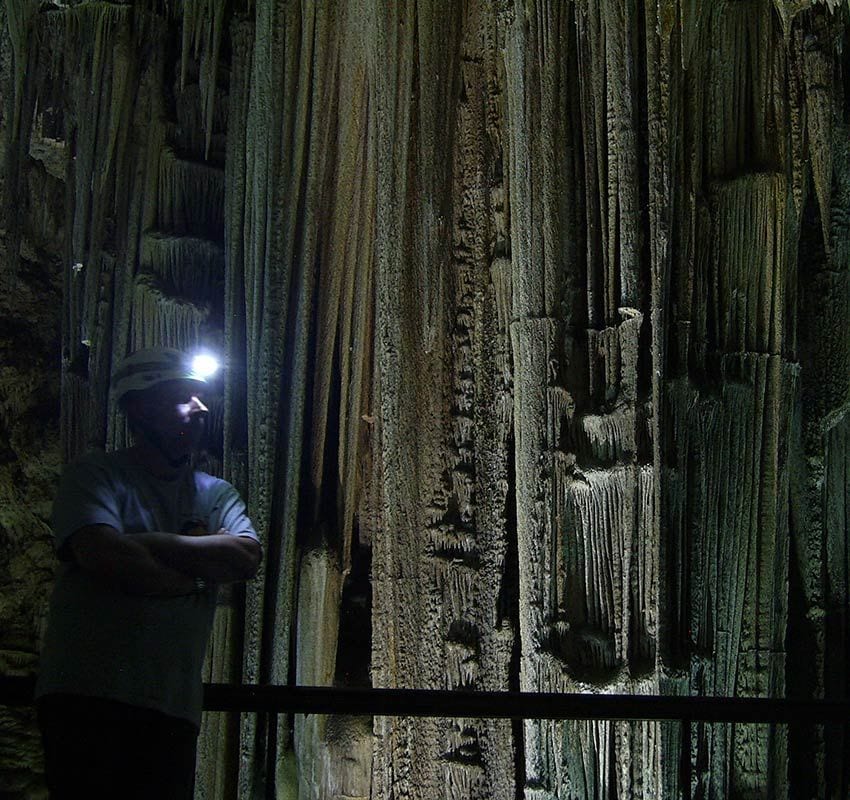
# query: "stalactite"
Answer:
x=240 y=217
x=101 y=98
x=818 y=77
x=203 y=24
x=441 y=467
x=191 y=196
x=736 y=622
x=606 y=438
x=19 y=18
x=598 y=568
x=160 y=319
x=285 y=170
x=644 y=577
x=837 y=586
x=97 y=33
x=745 y=300
x=343 y=363
x=236 y=412
x=136 y=178
x=590 y=613
x=189 y=132
x=192 y=267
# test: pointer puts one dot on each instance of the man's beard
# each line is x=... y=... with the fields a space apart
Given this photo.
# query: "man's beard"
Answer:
x=178 y=448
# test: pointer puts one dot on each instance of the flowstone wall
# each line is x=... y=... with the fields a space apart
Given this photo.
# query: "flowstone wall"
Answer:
x=535 y=318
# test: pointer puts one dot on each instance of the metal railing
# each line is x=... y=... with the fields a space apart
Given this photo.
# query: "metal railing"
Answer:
x=18 y=691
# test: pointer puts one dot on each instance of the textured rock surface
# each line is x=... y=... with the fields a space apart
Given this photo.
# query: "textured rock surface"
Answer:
x=30 y=303
x=536 y=319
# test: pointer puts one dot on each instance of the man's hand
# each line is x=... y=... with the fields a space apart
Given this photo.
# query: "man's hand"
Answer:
x=196 y=530
x=200 y=530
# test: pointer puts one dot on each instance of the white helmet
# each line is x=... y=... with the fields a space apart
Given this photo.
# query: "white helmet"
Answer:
x=150 y=367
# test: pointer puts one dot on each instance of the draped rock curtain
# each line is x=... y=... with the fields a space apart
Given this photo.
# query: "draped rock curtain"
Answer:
x=534 y=316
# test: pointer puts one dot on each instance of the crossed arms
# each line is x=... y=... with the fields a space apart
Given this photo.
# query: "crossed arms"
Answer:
x=164 y=564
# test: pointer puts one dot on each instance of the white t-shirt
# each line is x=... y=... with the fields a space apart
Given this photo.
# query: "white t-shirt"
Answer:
x=101 y=642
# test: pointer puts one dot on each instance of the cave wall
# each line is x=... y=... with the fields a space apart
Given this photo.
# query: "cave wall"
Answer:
x=30 y=307
x=535 y=318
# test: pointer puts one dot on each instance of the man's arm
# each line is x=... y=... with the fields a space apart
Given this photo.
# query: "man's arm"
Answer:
x=126 y=563
x=219 y=557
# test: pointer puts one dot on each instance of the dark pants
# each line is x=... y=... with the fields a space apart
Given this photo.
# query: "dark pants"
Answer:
x=97 y=749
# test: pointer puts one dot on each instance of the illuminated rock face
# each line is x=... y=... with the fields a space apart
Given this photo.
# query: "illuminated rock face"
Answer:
x=536 y=322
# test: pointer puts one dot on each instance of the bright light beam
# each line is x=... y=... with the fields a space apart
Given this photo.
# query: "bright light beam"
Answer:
x=205 y=365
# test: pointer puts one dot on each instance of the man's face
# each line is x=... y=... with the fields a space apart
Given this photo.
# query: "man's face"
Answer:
x=175 y=411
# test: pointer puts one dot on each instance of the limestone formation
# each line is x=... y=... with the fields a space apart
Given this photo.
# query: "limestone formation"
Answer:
x=535 y=319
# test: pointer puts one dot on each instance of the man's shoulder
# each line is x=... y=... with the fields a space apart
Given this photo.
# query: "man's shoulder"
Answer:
x=206 y=483
x=97 y=460
x=100 y=468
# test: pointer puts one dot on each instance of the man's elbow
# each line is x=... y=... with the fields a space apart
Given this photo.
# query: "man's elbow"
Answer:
x=252 y=556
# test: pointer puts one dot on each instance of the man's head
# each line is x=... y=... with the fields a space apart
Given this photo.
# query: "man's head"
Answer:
x=160 y=393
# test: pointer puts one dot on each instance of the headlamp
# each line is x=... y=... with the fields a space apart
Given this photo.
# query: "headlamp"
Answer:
x=204 y=365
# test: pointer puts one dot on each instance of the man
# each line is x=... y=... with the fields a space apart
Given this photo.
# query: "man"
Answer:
x=143 y=539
